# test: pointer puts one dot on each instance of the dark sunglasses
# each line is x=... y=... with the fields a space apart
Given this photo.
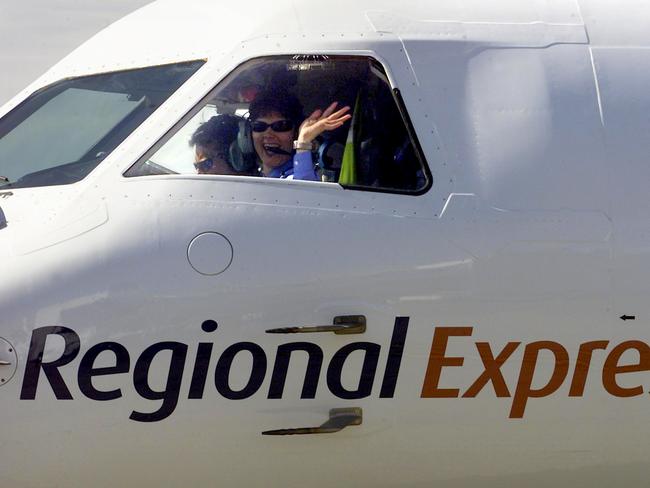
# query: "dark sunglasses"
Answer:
x=204 y=165
x=277 y=126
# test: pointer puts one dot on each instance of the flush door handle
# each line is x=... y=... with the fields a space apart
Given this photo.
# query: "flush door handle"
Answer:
x=344 y=324
x=339 y=419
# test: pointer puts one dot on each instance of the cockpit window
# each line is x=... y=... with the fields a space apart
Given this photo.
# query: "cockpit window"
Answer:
x=252 y=125
x=62 y=132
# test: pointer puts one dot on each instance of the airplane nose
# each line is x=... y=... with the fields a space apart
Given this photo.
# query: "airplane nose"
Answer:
x=8 y=361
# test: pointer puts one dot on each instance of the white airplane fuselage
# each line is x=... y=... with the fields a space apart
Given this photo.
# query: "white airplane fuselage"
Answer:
x=136 y=309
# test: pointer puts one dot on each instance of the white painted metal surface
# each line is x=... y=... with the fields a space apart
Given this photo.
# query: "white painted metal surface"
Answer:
x=533 y=118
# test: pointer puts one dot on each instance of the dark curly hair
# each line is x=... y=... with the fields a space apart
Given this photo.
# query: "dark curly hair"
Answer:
x=215 y=136
x=276 y=100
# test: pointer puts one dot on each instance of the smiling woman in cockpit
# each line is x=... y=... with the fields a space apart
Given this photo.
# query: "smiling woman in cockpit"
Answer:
x=274 y=121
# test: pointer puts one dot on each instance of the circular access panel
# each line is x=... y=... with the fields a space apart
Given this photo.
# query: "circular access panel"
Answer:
x=8 y=361
x=210 y=253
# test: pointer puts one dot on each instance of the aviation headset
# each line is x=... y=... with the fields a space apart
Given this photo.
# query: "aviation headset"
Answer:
x=242 y=152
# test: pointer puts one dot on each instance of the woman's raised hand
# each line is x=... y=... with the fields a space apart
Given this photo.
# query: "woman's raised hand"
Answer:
x=319 y=122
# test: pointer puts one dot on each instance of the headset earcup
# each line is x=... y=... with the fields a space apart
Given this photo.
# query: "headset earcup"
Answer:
x=245 y=138
x=241 y=151
x=241 y=162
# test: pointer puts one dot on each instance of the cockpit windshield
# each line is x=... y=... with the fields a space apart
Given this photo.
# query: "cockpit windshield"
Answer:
x=62 y=132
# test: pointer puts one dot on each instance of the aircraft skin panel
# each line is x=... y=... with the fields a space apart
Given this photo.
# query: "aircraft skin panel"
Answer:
x=173 y=310
x=480 y=98
x=626 y=26
x=167 y=307
x=495 y=351
x=623 y=74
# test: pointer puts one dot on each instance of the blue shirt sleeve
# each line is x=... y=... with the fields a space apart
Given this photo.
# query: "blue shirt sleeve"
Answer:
x=303 y=167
